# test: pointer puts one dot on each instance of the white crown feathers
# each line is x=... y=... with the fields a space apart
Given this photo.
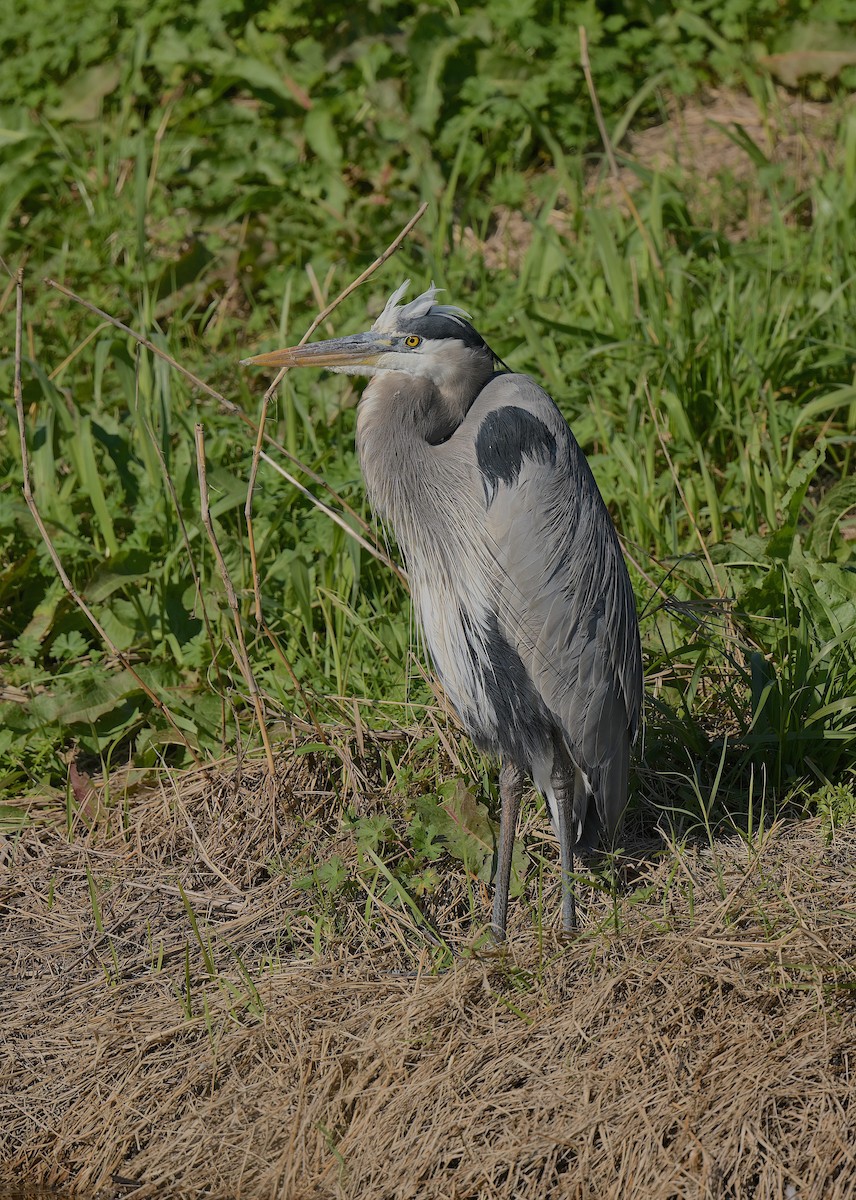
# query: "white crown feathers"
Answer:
x=394 y=313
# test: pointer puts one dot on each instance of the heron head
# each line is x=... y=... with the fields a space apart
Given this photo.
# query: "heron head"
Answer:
x=420 y=338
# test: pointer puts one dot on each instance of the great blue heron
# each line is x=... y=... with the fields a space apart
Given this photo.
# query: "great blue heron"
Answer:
x=514 y=565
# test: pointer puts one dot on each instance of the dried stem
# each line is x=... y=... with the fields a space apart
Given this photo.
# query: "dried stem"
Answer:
x=57 y=562
x=334 y=516
x=378 y=262
x=257 y=450
x=228 y=405
x=239 y=650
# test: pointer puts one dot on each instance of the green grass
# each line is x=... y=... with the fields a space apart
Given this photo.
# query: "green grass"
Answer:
x=186 y=183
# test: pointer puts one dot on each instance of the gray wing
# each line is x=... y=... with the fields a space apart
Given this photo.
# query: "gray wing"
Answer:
x=563 y=593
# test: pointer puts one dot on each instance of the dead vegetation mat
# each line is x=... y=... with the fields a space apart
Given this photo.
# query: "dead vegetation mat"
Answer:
x=177 y=1021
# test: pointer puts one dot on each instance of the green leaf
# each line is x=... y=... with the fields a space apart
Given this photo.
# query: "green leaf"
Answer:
x=838 y=501
x=261 y=77
x=89 y=477
x=70 y=704
x=321 y=136
x=128 y=566
x=468 y=834
x=84 y=94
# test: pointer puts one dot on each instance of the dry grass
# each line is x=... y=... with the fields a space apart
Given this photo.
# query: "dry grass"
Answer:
x=695 y=1041
x=705 y=144
x=709 y=148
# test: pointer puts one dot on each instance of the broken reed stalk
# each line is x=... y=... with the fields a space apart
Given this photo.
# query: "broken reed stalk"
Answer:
x=239 y=650
x=75 y=596
x=266 y=399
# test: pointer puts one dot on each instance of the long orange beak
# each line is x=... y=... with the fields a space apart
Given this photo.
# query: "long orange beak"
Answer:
x=359 y=349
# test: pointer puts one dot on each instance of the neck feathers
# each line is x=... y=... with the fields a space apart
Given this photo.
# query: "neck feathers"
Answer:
x=403 y=418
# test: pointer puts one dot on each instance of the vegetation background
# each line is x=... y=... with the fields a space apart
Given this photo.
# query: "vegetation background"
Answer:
x=222 y=987
x=209 y=173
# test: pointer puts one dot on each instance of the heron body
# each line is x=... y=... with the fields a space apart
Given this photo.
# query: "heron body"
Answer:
x=514 y=565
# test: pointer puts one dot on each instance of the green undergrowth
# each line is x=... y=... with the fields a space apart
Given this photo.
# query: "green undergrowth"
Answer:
x=201 y=189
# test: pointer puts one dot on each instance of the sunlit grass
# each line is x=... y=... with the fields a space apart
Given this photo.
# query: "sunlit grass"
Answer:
x=710 y=382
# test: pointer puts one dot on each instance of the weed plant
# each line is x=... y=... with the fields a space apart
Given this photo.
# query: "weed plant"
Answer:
x=205 y=173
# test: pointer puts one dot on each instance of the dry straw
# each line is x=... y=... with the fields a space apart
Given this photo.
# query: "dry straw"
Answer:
x=169 y=1027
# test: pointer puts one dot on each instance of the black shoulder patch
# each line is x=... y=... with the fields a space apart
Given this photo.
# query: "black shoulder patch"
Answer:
x=505 y=436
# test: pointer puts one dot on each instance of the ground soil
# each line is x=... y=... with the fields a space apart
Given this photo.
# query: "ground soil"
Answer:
x=175 y=1022
x=724 y=155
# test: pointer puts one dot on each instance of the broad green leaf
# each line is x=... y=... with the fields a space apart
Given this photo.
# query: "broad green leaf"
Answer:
x=83 y=96
x=126 y=567
x=71 y=705
x=322 y=138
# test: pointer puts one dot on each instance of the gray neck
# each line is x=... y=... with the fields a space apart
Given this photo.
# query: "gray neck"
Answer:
x=401 y=422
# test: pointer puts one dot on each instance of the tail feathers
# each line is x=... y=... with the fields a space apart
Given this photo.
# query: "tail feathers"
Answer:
x=598 y=811
x=585 y=813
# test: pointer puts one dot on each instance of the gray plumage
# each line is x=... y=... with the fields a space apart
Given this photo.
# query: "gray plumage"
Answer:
x=514 y=565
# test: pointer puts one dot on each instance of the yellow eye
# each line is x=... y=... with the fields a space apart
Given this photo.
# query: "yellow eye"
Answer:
x=412 y=340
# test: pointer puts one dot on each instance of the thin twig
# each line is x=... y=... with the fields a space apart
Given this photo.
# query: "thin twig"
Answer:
x=144 y=341
x=240 y=650
x=57 y=562
x=200 y=595
x=274 y=641
x=228 y=405
x=334 y=516
x=257 y=449
x=610 y=153
x=343 y=295
x=378 y=262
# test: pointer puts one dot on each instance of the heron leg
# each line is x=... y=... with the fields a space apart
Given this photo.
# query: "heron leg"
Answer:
x=563 y=790
x=510 y=794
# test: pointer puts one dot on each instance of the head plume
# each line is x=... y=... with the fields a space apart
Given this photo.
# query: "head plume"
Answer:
x=395 y=313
